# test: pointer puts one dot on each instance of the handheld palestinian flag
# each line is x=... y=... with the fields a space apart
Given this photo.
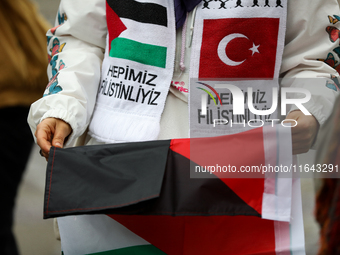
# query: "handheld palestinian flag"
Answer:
x=160 y=235
x=153 y=206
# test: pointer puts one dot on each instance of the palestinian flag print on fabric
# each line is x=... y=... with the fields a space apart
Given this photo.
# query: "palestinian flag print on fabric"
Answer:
x=152 y=205
x=129 y=15
x=93 y=235
x=136 y=70
x=153 y=178
x=161 y=235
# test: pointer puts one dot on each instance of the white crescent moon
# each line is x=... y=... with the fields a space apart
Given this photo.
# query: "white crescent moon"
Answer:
x=223 y=45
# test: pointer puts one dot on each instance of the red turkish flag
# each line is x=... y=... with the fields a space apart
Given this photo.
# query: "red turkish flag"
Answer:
x=239 y=48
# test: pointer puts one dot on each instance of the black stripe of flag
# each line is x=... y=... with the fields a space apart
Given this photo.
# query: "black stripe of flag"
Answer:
x=141 y=12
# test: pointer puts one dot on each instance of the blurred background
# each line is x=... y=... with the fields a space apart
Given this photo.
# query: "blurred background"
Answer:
x=35 y=236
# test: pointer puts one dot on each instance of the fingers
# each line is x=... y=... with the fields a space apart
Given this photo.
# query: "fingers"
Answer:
x=61 y=132
x=304 y=133
x=303 y=136
x=300 y=147
x=51 y=131
x=44 y=134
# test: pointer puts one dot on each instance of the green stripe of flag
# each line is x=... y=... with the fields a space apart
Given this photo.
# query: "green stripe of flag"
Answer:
x=148 y=54
x=133 y=250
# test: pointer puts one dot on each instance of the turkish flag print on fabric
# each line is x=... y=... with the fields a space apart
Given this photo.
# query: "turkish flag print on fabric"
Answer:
x=239 y=48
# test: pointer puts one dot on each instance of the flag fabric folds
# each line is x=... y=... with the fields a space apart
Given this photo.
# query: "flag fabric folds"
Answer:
x=147 y=201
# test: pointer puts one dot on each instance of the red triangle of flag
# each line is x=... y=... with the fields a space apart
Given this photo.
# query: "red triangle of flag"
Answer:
x=234 y=150
x=114 y=24
x=198 y=235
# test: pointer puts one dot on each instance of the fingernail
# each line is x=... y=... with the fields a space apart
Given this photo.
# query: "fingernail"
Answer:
x=58 y=145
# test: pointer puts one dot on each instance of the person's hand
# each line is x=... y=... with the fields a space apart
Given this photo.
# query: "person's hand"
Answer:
x=51 y=132
x=304 y=133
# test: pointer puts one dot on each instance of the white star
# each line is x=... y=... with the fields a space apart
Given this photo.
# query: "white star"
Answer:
x=254 y=49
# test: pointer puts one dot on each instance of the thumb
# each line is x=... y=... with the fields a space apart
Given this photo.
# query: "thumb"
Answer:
x=62 y=131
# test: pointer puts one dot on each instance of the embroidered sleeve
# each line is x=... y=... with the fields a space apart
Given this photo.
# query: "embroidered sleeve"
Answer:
x=75 y=51
x=310 y=52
